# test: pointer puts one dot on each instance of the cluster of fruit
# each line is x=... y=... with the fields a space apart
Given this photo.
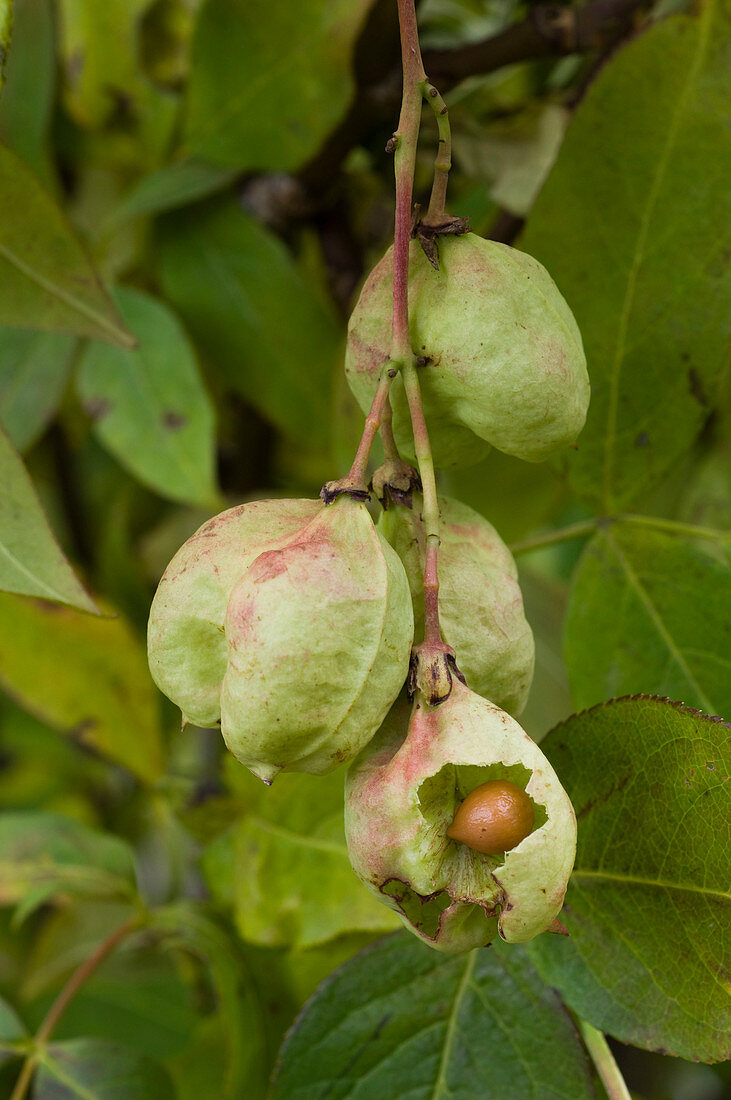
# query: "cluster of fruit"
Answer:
x=290 y=623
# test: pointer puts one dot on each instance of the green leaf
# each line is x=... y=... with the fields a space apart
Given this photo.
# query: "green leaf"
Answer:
x=403 y=1020
x=27 y=101
x=46 y=279
x=149 y=405
x=298 y=64
x=650 y=613
x=99 y=1070
x=31 y=561
x=6 y=30
x=99 y=52
x=85 y=676
x=12 y=1029
x=253 y=314
x=189 y=929
x=285 y=866
x=633 y=224
x=43 y=855
x=170 y=187
x=34 y=367
x=647 y=959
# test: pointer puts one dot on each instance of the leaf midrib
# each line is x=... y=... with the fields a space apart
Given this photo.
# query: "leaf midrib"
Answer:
x=659 y=884
x=658 y=622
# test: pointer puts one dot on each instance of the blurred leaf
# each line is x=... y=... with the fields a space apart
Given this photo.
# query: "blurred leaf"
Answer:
x=6 y=30
x=67 y=937
x=403 y=1020
x=190 y=929
x=12 y=1029
x=99 y=53
x=297 y=59
x=260 y=323
x=516 y=496
x=43 y=771
x=647 y=958
x=544 y=597
x=173 y=186
x=99 y=1070
x=85 y=676
x=513 y=154
x=633 y=224
x=46 y=279
x=285 y=866
x=42 y=855
x=196 y=1070
x=650 y=613
x=34 y=367
x=149 y=405
x=27 y=100
x=31 y=561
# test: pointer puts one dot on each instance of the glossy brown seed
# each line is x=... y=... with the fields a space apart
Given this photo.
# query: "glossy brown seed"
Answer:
x=493 y=818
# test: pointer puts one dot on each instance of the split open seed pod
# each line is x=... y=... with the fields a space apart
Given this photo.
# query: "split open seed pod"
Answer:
x=504 y=364
x=402 y=794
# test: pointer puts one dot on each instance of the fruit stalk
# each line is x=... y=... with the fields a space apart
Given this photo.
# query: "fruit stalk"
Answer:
x=403 y=143
x=406 y=137
x=443 y=159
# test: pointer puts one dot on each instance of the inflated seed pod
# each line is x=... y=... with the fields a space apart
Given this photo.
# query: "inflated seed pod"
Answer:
x=289 y=624
x=319 y=632
x=404 y=797
x=505 y=365
x=186 y=644
x=480 y=603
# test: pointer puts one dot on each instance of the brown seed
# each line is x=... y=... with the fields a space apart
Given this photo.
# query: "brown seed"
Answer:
x=493 y=818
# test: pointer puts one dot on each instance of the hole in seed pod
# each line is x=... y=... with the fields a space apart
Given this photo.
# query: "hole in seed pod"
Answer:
x=441 y=797
x=423 y=911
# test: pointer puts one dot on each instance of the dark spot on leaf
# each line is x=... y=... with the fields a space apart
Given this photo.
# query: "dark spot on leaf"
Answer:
x=642 y=440
x=97 y=407
x=174 y=420
x=696 y=387
x=710 y=765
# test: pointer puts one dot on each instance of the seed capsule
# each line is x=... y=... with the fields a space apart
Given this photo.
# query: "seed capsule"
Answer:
x=504 y=360
x=400 y=798
x=480 y=603
x=493 y=818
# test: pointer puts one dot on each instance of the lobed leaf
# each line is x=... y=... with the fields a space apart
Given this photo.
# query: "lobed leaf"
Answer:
x=647 y=906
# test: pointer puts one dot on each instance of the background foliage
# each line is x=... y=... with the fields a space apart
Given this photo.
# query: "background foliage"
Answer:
x=192 y=191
